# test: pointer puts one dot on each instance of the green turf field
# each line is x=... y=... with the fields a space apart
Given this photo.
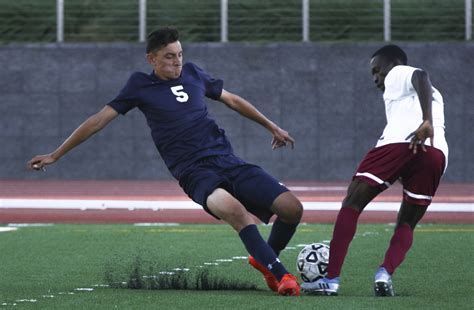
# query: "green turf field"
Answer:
x=43 y=268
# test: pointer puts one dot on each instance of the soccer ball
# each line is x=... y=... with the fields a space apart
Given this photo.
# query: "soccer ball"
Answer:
x=312 y=262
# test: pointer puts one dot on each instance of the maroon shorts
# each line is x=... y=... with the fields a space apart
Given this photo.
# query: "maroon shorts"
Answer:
x=419 y=173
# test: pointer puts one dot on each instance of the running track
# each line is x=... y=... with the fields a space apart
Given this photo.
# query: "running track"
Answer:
x=163 y=202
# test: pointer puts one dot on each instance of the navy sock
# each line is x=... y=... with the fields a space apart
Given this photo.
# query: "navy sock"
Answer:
x=261 y=251
x=280 y=235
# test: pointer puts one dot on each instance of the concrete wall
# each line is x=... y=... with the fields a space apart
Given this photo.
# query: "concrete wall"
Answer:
x=322 y=94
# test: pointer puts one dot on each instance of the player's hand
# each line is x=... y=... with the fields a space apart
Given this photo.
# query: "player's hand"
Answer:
x=39 y=162
x=281 y=138
x=419 y=136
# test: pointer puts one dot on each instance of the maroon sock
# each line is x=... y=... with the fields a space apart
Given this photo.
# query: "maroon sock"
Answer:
x=344 y=231
x=399 y=245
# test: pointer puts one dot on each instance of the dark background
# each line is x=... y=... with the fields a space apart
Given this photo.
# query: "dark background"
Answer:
x=322 y=93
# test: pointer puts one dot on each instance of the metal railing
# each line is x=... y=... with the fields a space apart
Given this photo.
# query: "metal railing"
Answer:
x=237 y=20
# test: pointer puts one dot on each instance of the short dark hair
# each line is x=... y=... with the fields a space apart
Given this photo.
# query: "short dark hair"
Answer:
x=160 y=38
x=392 y=52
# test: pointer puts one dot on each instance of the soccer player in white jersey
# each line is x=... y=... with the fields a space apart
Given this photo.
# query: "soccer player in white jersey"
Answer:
x=412 y=149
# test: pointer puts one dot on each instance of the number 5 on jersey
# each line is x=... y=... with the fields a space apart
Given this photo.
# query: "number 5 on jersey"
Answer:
x=181 y=96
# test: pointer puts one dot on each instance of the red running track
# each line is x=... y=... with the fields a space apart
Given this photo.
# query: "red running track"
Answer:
x=169 y=190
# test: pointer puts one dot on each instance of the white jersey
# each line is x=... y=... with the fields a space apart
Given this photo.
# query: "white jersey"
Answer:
x=403 y=110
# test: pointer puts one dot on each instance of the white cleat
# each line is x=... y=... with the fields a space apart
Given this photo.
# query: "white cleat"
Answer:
x=383 y=283
x=324 y=286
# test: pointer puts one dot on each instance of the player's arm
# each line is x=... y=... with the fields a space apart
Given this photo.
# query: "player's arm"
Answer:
x=422 y=84
x=245 y=108
x=89 y=127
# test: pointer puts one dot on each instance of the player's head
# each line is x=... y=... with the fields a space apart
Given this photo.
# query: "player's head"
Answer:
x=164 y=53
x=383 y=60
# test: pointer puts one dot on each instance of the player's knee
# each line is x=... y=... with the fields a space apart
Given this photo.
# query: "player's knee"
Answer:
x=288 y=208
x=352 y=200
x=297 y=210
x=353 y=204
x=293 y=214
x=410 y=214
x=359 y=195
x=409 y=222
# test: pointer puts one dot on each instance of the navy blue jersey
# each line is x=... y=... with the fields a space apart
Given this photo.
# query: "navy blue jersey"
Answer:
x=177 y=114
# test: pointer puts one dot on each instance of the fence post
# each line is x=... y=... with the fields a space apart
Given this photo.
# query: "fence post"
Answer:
x=59 y=21
x=141 y=20
x=305 y=9
x=468 y=20
x=224 y=21
x=387 y=22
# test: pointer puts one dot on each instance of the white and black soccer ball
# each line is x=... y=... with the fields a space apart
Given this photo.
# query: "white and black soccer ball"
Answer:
x=312 y=262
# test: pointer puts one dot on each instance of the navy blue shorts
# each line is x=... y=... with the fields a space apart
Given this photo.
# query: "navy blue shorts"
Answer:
x=248 y=183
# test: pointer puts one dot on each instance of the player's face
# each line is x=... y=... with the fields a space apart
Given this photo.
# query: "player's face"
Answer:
x=168 y=61
x=380 y=67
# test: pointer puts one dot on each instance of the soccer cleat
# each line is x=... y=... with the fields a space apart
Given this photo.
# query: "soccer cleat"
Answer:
x=272 y=282
x=324 y=286
x=289 y=286
x=383 y=283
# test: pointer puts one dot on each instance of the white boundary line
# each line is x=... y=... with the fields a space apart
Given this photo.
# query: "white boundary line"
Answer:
x=317 y=188
x=190 y=205
x=4 y=229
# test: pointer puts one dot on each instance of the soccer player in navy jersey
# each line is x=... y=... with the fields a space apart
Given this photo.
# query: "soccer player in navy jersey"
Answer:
x=198 y=154
x=412 y=150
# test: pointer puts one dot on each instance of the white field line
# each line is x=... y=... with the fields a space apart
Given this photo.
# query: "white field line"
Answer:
x=5 y=229
x=317 y=188
x=190 y=205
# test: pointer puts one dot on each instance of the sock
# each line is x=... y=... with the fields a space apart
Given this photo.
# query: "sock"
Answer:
x=344 y=231
x=261 y=251
x=280 y=235
x=400 y=243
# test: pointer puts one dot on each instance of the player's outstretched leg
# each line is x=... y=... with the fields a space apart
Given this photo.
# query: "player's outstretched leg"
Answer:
x=265 y=260
x=226 y=207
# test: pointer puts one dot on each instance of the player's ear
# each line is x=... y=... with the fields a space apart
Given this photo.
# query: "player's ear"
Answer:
x=150 y=57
